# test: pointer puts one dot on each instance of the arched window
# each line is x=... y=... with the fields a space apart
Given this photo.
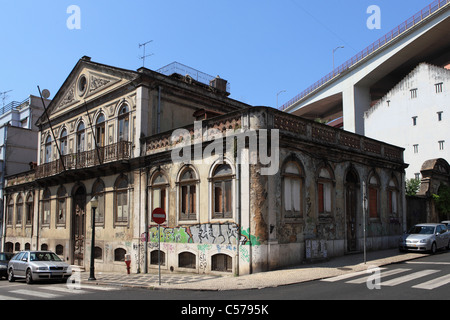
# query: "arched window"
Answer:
x=98 y=253
x=325 y=191
x=374 y=196
x=46 y=207
x=98 y=190
x=188 y=195
x=159 y=190
x=19 y=210
x=119 y=254
x=63 y=142
x=100 y=130
x=61 y=206
x=124 y=123
x=10 y=212
x=59 y=249
x=393 y=194
x=29 y=209
x=121 y=187
x=48 y=149
x=222 y=262
x=187 y=260
x=9 y=247
x=292 y=189
x=80 y=138
x=154 y=257
x=222 y=196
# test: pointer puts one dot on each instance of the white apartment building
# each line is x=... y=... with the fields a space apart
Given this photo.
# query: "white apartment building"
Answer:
x=415 y=115
x=18 y=138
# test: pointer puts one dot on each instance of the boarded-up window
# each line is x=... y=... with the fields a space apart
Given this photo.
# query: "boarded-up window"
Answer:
x=188 y=195
x=393 y=198
x=292 y=193
x=373 y=196
x=121 y=200
x=158 y=190
x=222 y=192
x=325 y=191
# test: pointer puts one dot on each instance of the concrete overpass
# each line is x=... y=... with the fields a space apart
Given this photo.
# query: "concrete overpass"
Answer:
x=352 y=88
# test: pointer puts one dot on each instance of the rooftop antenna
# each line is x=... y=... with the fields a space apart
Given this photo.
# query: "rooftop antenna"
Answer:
x=145 y=56
x=4 y=96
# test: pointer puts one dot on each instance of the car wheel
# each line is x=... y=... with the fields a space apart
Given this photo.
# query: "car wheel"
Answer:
x=11 y=275
x=29 y=277
x=433 y=248
x=448 y=246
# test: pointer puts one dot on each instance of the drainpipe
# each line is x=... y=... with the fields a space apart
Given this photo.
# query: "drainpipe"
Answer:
x=3 y=235
x=146 y=223
x=238 y=212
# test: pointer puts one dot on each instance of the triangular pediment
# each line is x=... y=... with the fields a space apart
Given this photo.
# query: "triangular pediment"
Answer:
x=87 y=84
x=87 y=81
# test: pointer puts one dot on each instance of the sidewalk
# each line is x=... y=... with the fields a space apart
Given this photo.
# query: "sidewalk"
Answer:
x=307 y=272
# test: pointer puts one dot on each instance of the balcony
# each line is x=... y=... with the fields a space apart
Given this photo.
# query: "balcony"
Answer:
x=87 y=159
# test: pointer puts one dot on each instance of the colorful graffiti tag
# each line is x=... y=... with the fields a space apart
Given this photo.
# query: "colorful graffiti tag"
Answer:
x=208 y=233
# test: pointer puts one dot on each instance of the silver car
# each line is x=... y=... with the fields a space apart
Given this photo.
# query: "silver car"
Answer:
x=37 y=265
x=426 y=237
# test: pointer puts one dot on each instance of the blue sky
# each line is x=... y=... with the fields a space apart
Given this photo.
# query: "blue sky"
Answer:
x=260 y=46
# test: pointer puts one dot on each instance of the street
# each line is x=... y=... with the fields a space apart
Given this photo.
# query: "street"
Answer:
x=424 y=278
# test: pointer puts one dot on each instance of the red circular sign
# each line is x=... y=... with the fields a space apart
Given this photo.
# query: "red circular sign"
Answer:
x=159 y=216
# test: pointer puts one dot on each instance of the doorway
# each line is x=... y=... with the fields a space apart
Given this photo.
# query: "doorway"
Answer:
x=351 y=191
x=78 y=226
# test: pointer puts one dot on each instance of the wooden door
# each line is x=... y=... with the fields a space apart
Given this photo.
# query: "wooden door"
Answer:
x=79 y=226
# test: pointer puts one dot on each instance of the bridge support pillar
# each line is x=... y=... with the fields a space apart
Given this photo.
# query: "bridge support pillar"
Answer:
x=356 y=100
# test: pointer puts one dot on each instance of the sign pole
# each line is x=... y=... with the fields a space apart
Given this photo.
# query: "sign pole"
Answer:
x=159 y=217
x=159 y=253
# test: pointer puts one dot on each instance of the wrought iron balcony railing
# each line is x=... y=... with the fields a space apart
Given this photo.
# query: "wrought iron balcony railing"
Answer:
x=107 y=154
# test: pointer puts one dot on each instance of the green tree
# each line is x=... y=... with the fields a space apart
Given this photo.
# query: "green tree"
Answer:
x=442 y=201
x=412 y=186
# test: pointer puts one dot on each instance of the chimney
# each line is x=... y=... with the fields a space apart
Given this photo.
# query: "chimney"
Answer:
x=219 y=84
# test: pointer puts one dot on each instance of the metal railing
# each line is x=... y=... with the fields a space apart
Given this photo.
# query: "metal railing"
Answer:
x=393 y=34
x=110 y=153
x=14 y=105
x=176 y=67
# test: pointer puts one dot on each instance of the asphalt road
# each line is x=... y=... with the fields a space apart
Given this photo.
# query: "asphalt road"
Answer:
x=427 y=278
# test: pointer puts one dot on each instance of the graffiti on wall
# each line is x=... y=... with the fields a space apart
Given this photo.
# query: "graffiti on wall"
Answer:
x=208 y=233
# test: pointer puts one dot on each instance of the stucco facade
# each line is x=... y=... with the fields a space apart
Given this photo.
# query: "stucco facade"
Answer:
x=246 y=189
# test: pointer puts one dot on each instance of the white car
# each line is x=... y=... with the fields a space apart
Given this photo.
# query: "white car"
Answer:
x=447 y=223
x=426 y=237
x=37 y=265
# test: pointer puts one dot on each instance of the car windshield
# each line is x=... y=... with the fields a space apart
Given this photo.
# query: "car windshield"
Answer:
x=44 y=256
x=421 y=230
x=5 y=256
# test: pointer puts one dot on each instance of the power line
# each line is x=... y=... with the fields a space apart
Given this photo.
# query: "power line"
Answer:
x=323 y=25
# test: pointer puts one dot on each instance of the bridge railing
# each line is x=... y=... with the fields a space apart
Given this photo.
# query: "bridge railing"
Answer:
x=393 y=34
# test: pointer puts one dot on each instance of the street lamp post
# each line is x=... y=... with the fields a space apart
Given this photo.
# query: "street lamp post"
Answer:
x=278 y=95
x=94 y=206
x=334 y=50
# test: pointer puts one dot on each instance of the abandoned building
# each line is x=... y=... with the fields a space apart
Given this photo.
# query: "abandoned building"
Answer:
x=246 y=189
